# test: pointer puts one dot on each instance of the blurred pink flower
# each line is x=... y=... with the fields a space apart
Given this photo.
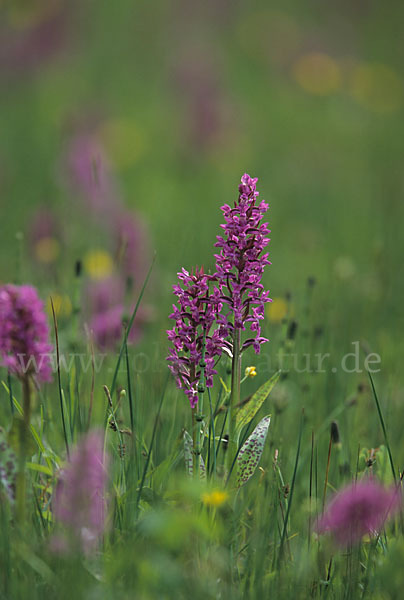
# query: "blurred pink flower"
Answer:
x=25 y=48
x=198 y=83
x=132 y=246
x=24 y=332
x=89 y=173
x=103 y=294
x=360 y=509
x=80 y=504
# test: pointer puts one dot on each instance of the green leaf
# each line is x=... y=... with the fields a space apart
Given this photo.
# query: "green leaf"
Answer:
x=251 y=451
x=40 y=468
x=8 y=468
x=189 y=457
x=250 y=409
x=47 y=453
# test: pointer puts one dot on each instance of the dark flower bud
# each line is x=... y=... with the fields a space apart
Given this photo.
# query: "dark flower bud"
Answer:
x=335 y=433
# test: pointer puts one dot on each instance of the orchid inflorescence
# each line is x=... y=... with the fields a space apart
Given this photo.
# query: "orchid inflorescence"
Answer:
x=211 y=309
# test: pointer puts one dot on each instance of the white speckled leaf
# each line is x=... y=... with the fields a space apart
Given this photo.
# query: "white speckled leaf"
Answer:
x=188 y=455
x=250 y=409
x=8 y=469
x=251 y=451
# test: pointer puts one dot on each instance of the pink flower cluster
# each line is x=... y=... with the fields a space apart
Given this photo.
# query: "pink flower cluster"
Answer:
x=91 y=178
x=241 y=262
x=24 y=333
x=236 y=300
x=194 y=317
x=79 y=503
x=360 y=509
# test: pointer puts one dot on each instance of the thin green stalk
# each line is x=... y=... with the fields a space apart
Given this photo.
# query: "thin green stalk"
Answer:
x=234 y=396
x=386 y=439
x=212 y=430
x=59 y=380
x=139 y=494
x=199 y=412
x=24 y=433
x=292 y=489
x=132 y=418
x=10 y=393
x=129 y=327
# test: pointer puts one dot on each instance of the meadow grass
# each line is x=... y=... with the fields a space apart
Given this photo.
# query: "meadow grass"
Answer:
x=171 y=535
x=330 y=164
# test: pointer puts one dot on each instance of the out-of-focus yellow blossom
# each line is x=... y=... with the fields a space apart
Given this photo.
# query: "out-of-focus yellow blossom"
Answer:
x=317 y=73
x=61 y=303
x=47 y=250
x=215 y=498
x=98 y=264
x=344 y=267
x=277 y=310
x=377 y=87
x=123 y=140
x=250 y=372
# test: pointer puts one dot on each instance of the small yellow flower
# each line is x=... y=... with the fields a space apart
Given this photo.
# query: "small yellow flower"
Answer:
x=377 y=87
x=250 y=372
x=98 y=264
x=277 y=310
x=215 y=498
x=61 y=303
x=47 y=250
x=317 y=73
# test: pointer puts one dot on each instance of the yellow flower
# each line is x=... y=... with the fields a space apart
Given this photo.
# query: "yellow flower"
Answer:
x=277 y=310
x=47 y=250
x=317 y=73
x=250 y=372
x=215 y=498
x=98 y=264
x=377 y=87
x=61 y=303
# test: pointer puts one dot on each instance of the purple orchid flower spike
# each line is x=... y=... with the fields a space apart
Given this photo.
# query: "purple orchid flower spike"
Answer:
x=195 y=315
x=241 y=262
x=24 y=333
x=79 y=503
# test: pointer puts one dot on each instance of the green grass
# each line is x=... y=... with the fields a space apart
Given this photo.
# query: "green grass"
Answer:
x=330 y=168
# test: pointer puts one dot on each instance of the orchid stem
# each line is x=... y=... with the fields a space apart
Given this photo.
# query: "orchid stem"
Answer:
x=23 y=434
x=234 y=396
x=199 y=412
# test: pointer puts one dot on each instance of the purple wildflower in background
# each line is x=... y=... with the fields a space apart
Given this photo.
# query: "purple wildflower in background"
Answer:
x=101 y=295
x=132 y=246
x=241 y=261
x=89 y=173
x=79 y=503
x=106 y=312
x=24 y=49
x=108 y=327
x=194 y=314
x=360 y=509
x=24 y=333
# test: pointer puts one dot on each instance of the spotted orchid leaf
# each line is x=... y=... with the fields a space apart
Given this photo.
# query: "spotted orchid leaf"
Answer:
x=8 y=468
x=189 y=455
x=251 y=452
x=250 y=409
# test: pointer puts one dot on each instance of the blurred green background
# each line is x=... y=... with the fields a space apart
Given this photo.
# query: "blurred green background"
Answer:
x=166 y=105
x=185 y=97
